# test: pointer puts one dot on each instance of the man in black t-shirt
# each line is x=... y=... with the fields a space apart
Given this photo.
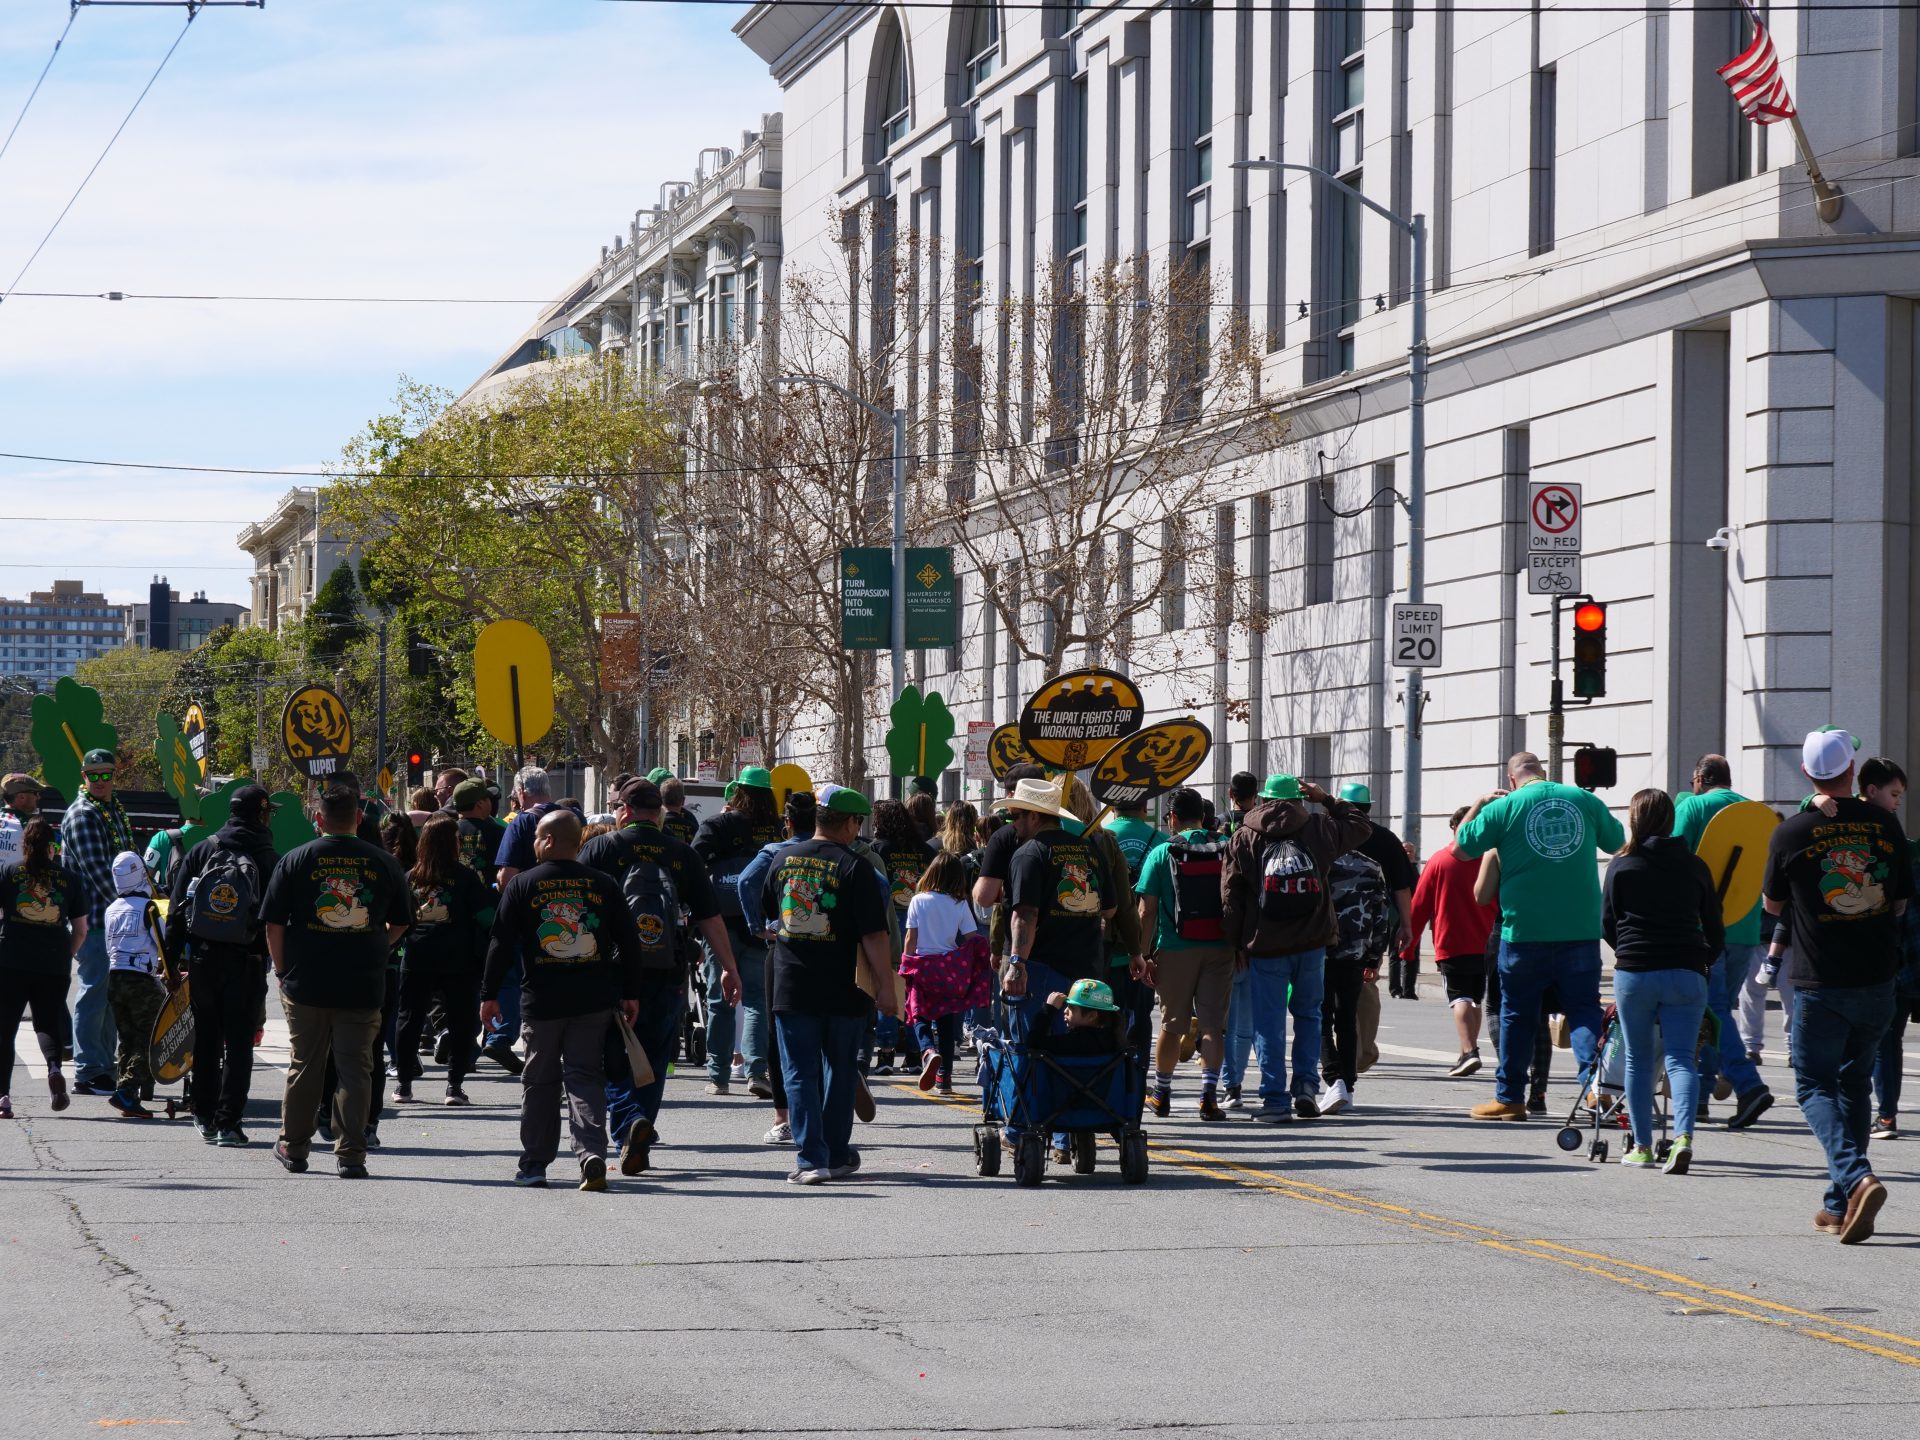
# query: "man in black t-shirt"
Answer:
x=996 y=865
x=1061 y=895
x=1843 y=881
x=632 y=1114
x=333 y=908
x=480 y=833
x=826 y=909
x=579 y=961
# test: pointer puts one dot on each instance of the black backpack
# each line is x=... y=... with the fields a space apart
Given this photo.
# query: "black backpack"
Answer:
x=1290 y=887
x=1197 y=911
x=224 y=897
x=654 y=901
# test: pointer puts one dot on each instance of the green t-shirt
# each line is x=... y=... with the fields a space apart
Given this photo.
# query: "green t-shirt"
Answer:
x=1137 y=840
x=1690 y=816
x=1156 y=879
x=1549 y=880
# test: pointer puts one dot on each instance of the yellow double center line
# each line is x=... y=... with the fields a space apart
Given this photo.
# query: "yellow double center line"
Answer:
x=1663 y=1284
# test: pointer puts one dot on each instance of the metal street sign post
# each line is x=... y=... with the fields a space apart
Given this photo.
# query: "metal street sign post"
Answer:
x=1553 y=538
x=1417 y=634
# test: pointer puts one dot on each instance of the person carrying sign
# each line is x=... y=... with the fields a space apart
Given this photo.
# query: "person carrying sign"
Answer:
x=1182 y=915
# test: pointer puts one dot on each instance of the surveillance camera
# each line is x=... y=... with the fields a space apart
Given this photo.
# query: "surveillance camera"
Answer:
x=1721 y=541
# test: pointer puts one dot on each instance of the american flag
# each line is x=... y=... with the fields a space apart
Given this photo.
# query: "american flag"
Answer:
x=1759 y=89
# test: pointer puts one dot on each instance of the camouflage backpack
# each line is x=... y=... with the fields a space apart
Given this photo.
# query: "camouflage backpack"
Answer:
x=1363 y=911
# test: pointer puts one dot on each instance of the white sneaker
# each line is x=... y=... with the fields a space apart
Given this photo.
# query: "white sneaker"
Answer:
x=781 y=1134
x=740 y=1072
x=1335 y=1097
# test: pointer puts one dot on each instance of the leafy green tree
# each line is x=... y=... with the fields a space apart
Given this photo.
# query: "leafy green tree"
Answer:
x=134 y=682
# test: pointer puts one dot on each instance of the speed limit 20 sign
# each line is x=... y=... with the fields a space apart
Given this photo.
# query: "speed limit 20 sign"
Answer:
x=1415 y=640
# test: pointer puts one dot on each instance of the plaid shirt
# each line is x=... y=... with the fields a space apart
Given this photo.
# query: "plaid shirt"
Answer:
x=89 y=839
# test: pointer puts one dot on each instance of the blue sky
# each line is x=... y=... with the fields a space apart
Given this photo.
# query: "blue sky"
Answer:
x=330 y=147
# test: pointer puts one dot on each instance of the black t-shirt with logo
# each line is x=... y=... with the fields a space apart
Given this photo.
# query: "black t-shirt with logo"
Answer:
x=480 y=846
x=822 y=900
x=1840 y=880
x=682 y=825
x=36 y=911
x=1066 y=882
x=616 y=853
x=571 y=929
x=451 y=921
x=336 y=896
x=905 y=865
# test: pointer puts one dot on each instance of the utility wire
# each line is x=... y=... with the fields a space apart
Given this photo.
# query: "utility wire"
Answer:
x=1336 y=7
x=103 y=154
x=72 y=15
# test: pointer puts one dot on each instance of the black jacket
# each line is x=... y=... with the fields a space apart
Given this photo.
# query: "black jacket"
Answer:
x=1660 y=910
x=251 y=840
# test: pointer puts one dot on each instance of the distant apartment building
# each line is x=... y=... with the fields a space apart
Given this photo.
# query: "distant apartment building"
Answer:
x=46 y=635
x=166 y=622
x=294 y=550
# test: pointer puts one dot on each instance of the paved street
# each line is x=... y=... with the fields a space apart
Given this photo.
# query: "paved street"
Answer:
x=1395 y=1271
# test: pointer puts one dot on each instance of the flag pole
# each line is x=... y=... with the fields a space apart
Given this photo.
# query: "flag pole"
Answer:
x=1826 y=195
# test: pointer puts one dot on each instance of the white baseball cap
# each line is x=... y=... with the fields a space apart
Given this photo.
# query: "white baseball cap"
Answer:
x=1827 y=752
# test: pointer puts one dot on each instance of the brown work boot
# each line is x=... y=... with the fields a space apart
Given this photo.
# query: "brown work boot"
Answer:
x=1499 y=1110
x=1828 y=1223
x=1862 y=1205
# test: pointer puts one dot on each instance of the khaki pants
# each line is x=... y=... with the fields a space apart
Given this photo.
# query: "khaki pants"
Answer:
x=1369 y=1027
x=349 y=1035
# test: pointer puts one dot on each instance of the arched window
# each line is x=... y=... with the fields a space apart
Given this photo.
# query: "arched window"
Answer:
x=895 y=107
x=980 y=52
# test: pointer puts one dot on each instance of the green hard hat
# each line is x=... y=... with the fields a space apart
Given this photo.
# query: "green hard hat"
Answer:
x=757 y=776
x=1354 y=793
x=659 y=773
x=1280 y=787
x=1092 y=995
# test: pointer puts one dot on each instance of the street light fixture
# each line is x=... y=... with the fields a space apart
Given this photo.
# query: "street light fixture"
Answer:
x=897 y=419
x=1416 y=229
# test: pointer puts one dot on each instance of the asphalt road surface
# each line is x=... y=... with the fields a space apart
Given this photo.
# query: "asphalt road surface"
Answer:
x=1398 y=1270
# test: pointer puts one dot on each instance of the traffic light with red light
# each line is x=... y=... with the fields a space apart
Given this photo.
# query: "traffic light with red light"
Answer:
x=1596 y=767
x=1590 y=650
x=416 y=768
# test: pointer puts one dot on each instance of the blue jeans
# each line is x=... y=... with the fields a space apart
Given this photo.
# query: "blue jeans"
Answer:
x=1886 y=1064
x=1674 y=1000
x=1836 y=1034
x=508 y=1026
x=94 y=1039
x=658 y=1029
x=1729 y=973
x=742 y=1027
x=1527 y=969
x=1239 y=1029
x=817 y=1061
x=1269 y=977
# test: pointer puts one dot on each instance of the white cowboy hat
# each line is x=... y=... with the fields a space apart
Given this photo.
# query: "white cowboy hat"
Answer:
x=1040 y=796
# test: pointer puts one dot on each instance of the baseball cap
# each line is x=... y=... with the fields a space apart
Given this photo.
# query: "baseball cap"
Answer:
x=129 y=873
x=843 y=800
x=659 y=773
x=1280 y=787
x=467 y=794
x=1827 y=752
x=100 y=757
x=250 y=802
x=17 y=783
x=639 y=793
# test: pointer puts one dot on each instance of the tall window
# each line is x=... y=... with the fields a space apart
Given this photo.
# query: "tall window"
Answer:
x=895 y=98
x=1318 y=548
x=750 y=314
x=1348 y=145
x=982 y=56
x=1074 y=141
x=1197 y=85
x=728 y=290
x=1540 y=170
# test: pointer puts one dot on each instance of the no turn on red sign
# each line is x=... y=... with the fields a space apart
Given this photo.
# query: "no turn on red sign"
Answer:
x=1553 y=538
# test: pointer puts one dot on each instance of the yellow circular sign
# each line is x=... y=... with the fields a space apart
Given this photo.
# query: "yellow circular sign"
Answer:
x=1734 y=846
x=194 y=728
x=513 y=682
x=787 y=778
x=1075 y=719
x=316 y=730
x=1005 y=749
x=1159 y=758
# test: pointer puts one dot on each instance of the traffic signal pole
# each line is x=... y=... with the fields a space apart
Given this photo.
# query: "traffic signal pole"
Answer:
x=1556 y=706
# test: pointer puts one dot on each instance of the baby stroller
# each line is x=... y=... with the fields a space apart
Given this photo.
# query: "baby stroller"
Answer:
x=1604 y=1099
x=1032 y=1094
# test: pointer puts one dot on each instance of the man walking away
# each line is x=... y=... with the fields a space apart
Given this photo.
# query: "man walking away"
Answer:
x=1444 y=900
x=1844 y=881
x=1546 y=834
x=827 y=909
x=1738 y=961
x=213 y=925
x=1061 y=895
x=579 y=957
x=1389 y=852
x=480 y=833
x=92 y=832
x=1279 y=918
x=1185 y=928
x=533 y=799
x=1365 y=927
x=1884 y=783
x=1243 y=793
x=725 y=844
x=333 y=909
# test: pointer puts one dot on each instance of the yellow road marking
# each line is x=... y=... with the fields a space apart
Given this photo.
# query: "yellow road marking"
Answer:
x=1230 y=1172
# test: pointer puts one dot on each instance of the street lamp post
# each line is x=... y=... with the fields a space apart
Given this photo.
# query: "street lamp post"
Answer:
x=896 y=419
x=1416 y=501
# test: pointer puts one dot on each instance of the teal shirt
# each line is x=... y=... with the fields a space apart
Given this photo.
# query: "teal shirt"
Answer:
x=1549 y=878
x=1156 y=879
x=1137 y=839
x=1690 y=816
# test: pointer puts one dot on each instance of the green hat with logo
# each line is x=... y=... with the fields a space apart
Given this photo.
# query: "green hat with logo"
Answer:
x=659 y=773
x=1280 y=787
x=842 y=800
x=1354 y=793
x=1092 y=995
